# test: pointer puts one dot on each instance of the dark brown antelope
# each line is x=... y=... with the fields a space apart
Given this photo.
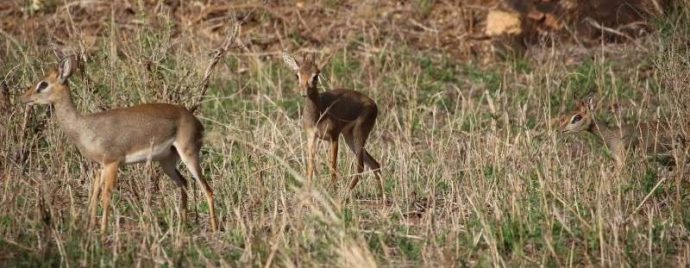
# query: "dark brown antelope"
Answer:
x=329 y=114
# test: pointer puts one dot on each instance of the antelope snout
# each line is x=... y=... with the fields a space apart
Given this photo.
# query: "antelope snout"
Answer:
x=564 y=129
x=27 y=99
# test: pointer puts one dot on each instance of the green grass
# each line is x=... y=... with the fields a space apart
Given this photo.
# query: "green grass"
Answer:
x=471 y=137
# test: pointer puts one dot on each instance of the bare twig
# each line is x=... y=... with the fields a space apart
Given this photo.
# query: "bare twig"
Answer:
x=657 y=7
x=22 y=154
x=214 y=60
x=603 y=28
x=644 y=200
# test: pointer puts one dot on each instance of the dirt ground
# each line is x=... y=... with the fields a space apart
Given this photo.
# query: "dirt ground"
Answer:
x=457 y=28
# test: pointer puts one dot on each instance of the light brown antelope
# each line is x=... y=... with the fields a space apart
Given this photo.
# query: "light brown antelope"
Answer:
x=158 y=132
x=327 y=115
x=654 y=138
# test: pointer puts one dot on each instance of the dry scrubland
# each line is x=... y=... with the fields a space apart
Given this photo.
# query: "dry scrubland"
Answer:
x=474 y=171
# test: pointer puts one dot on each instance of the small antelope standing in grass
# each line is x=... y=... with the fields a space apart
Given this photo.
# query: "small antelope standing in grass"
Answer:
x=329 y=114
x=158 y=132
x=654 y=138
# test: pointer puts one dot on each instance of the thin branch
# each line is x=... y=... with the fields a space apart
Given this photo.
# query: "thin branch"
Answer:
x=644 y=200
x=219 y=53
x=603 y=28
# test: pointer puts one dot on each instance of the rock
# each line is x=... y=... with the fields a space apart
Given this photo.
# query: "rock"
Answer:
x=500 y=22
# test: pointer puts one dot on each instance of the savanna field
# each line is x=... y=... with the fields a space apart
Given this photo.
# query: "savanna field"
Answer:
x=475 y=169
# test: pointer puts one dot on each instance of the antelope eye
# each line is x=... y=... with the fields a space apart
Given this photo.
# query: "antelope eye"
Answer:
x=41 y=86
x=576 y=119
x=315 y=79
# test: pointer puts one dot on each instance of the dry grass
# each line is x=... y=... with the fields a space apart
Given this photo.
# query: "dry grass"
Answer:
x=474 y=172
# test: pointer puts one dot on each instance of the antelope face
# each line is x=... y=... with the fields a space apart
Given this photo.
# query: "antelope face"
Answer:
x=44 y=91
x=578 y=121
x=307 y=72
x=308 y=75
x=50 y=88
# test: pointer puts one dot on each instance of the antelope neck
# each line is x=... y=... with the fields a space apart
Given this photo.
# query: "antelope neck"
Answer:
x=312 y=105
x=603 y=132
x=595 y=128
x=67 y=115
x=313 y=96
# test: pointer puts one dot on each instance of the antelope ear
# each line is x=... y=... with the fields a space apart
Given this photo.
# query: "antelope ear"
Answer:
x=290 y=61
x=65 y=70
x=322 y=63
x=591 y=102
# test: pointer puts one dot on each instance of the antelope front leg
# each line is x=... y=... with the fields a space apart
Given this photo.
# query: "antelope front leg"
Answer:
x=108 y=181
x=311 y=152
x=334 y=162
x=93 y=199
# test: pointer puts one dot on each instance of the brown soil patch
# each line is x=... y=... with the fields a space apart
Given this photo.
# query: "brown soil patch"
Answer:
x=457 y=28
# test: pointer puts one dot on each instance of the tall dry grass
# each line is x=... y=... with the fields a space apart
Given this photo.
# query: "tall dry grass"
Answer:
x=474 y=172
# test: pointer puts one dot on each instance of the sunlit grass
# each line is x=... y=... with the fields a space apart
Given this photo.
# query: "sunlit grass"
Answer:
x=470 y=144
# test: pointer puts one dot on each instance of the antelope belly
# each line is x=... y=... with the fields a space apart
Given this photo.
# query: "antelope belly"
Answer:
x=153 y=152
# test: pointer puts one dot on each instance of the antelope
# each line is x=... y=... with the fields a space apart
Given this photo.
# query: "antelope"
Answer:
x=327 y=115
x=159 y=132
x=654 y=138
